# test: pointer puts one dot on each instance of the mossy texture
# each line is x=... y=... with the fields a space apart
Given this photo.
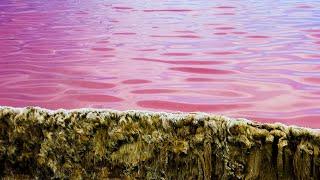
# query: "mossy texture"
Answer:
x=101 y=144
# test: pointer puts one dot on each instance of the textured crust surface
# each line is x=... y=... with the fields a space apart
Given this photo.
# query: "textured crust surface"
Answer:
x=98 y=144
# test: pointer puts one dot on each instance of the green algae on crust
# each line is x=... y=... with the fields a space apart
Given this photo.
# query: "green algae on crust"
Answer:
x=99 y=144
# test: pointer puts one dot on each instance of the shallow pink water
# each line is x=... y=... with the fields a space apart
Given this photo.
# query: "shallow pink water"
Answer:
x=259 y=60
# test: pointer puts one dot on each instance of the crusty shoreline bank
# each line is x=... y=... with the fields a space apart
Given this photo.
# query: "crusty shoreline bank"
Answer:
x=97 y=144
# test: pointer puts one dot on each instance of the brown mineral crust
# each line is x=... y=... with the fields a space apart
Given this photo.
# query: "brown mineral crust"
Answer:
x=99 y=144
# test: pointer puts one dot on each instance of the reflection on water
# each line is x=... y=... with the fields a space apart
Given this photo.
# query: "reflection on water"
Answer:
x=240 y=58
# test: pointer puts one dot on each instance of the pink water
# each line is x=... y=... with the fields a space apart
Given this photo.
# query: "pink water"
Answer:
x=242 y=58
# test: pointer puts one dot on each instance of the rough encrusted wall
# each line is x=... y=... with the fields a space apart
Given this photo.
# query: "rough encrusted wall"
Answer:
x=97 y=144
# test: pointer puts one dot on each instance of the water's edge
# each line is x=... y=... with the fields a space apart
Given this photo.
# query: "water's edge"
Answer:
x=101 y=143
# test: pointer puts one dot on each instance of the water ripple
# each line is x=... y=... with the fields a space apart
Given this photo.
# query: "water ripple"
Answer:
x=235 y=58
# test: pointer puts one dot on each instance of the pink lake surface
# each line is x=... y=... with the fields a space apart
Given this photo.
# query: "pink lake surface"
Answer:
x=245 y=58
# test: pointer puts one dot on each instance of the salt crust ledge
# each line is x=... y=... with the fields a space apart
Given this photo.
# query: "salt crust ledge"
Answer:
x=99 y=144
